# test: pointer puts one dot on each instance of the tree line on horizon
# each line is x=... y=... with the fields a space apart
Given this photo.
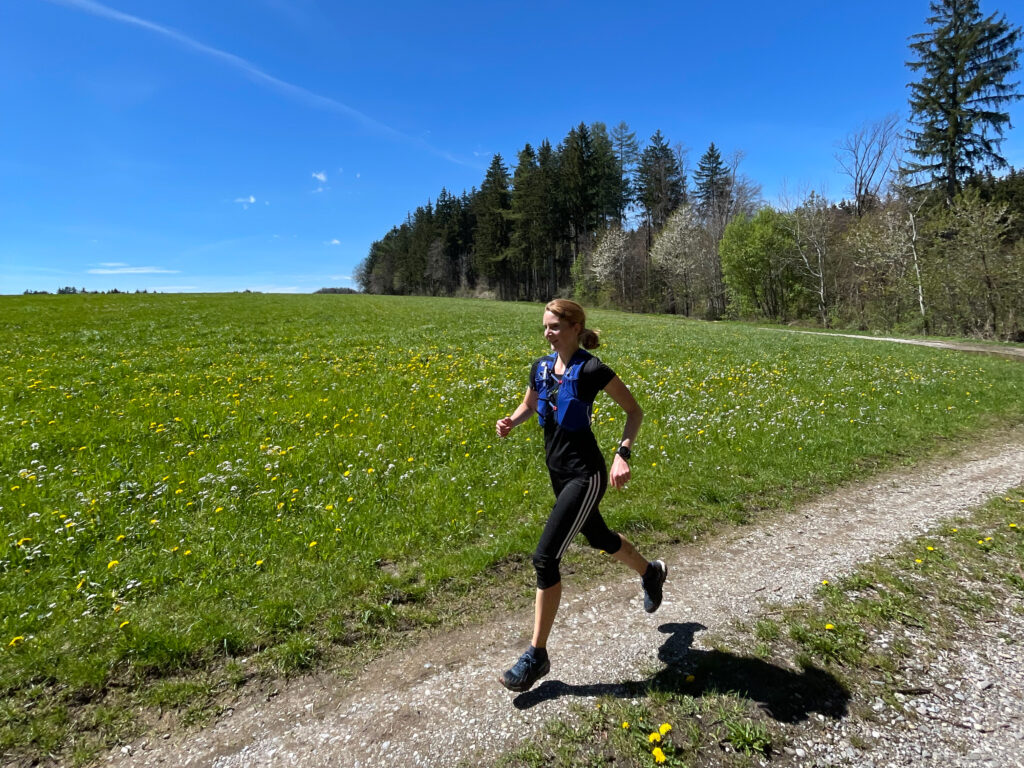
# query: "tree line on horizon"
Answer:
x=930 y=238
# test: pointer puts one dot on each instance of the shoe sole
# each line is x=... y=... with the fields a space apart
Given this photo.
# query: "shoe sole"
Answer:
x=664 y=578
x=525 y=687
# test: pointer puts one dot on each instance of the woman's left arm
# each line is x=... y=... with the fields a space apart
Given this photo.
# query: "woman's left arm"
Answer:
x=618 y=392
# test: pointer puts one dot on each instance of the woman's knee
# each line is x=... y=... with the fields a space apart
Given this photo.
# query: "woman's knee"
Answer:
x=548 y=574
x=607 y=541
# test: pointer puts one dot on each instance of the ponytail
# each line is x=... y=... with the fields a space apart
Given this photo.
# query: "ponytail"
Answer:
x=589 y=338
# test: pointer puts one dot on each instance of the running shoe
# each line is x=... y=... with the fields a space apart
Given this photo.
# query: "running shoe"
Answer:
x=525 y=672
x=653 y=580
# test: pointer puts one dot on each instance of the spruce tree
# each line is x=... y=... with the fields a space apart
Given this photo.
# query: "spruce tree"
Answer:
x=713 y=182
x=627 y=154
x=493 y=226
x=957 y=105
x=579 y=183
x=660 y=185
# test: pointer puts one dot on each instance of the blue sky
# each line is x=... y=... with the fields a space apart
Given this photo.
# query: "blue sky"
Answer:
x=221 y=146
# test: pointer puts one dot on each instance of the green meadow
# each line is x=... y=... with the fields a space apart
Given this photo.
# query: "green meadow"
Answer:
x=189 y=480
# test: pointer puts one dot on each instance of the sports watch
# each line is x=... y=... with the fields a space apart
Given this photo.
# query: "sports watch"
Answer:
x=624 y=451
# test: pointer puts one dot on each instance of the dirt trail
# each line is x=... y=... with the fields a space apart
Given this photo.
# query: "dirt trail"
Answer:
x=999 y=350
x=438 y=703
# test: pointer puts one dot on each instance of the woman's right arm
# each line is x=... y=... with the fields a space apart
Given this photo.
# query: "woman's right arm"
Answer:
x=521 y=414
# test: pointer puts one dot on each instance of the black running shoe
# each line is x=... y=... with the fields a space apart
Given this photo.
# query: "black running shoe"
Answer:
x=653 y=580
x=525 y=673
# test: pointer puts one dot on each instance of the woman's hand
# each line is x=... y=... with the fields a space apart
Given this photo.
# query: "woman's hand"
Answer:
x=504 y=426
x=620 y=473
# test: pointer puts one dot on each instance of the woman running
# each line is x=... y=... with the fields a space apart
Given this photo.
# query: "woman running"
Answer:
x=562 y=389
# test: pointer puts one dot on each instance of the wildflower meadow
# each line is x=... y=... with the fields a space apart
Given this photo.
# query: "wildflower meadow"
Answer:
x=187 y=479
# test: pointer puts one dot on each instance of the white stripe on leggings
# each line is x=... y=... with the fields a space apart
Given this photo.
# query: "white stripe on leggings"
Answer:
x=589 y=500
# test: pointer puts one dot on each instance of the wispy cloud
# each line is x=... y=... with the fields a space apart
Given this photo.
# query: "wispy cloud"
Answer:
x=125 y=270
x=291 y=90
x=321 y=176
x=112 y=264
x=335 y=241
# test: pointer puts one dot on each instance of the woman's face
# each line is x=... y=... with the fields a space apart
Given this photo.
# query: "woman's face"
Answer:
x=559 y=333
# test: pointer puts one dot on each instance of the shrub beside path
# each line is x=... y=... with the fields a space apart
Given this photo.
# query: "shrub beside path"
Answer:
x=438 y=703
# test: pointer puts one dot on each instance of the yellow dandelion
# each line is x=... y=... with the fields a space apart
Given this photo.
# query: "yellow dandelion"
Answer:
x=625 y=725
x=830 y=626
x=16 y=640
x=654 y=737
x=79 y=587
x=312 y=544
x=659 y=756
x=259 y=563
x=123 y=624
x=329 y=507
x=22 y=542
x=918 y=560
x=690 y=678
x=825 y=582
x=351 y=499
x=111 y=564
x=930 y=549
x=665 y=728
x=219 y=509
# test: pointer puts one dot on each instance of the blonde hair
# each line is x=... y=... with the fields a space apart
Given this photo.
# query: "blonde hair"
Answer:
x=568 y=310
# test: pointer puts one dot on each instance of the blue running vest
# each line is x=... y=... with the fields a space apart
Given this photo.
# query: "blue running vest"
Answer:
x=560 y=401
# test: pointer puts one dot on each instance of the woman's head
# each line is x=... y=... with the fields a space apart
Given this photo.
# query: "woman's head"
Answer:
x=565 y=322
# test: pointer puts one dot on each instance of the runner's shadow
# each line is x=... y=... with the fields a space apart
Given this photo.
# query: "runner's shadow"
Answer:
x=783 y=694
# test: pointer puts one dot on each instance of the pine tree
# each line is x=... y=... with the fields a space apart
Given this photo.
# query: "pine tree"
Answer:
x=627 y=154
x=492 y=234
x=611 y=186
x=554 y=233
x=660 y=186
x=957 y=106
x=579 y=183
x=714 y=183
x=527 y=216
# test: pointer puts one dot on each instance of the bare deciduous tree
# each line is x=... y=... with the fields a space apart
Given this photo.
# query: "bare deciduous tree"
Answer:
x=867 y=156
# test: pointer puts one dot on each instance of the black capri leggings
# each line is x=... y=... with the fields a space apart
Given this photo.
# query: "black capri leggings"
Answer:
x=575 y=511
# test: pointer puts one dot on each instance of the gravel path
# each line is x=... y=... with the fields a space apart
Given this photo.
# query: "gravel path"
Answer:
x=439 y=703
x=999 y=350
